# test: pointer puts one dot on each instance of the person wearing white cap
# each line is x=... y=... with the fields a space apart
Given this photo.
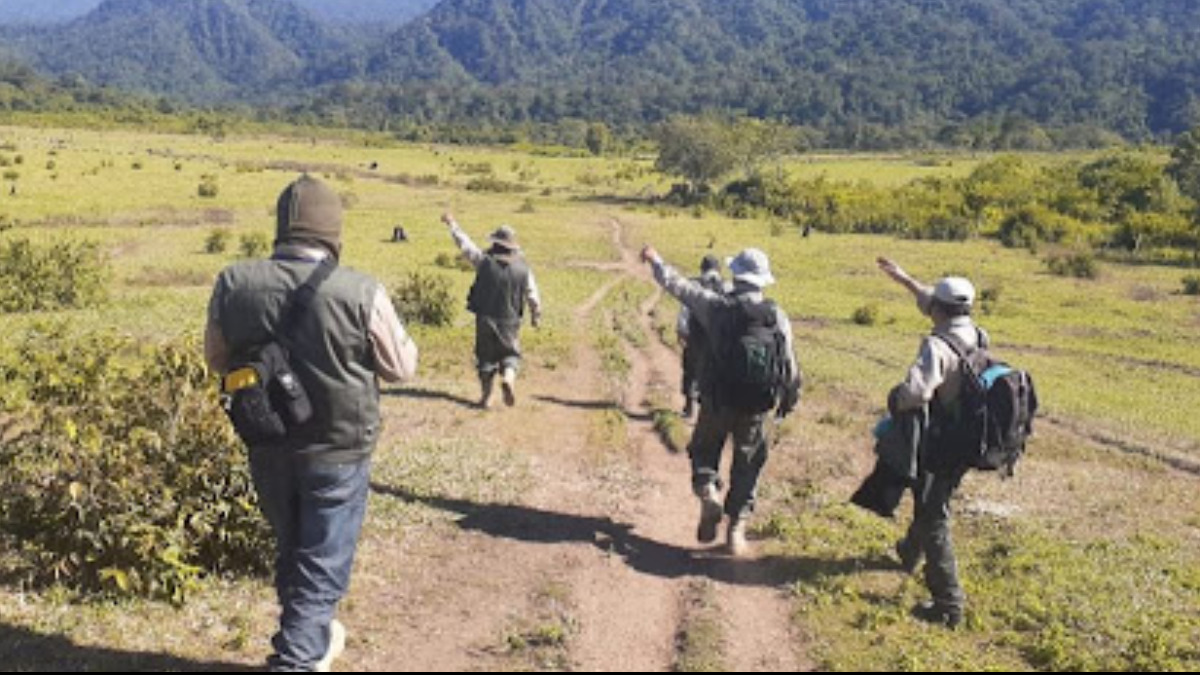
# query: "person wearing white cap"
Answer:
x=504 y=284
x=934 y=380
x=753 y=371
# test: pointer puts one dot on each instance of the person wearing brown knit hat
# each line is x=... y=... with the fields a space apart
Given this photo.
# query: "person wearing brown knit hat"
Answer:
x=341 y=339
x=309 y=214
x=504 y=284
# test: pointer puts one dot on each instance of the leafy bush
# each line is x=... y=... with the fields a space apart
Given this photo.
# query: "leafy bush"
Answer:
x=217 y=241
x=867 y=315
x=254 y=245
x=450 y=261
x=425 y=299
x=989 y=297
x=208 y=188
x=122 y=476
x=493 y=184
x=1191 y=284
x=1031 y=225
x=62 y=275
x=1081 y=265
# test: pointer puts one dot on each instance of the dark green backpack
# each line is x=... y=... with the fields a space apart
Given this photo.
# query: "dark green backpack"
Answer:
x=749 y=359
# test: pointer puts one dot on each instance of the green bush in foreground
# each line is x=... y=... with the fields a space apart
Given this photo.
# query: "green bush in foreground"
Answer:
x=119 y=474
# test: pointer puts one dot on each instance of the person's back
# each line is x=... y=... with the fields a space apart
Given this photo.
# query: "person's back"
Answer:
x=329 y=344
x=935 y=380
x=503 y=285
x=339 y=334
x=723 y=417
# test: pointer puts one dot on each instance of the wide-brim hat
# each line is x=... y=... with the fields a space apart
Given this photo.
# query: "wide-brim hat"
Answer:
x=751 y=266
x=506 y=237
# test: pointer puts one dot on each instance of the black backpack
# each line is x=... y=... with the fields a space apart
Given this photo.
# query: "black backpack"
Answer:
x=995 y=410
x=749 y=361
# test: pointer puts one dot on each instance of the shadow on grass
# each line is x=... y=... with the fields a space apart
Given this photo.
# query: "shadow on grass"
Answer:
x=22 y=650
x=643 y=554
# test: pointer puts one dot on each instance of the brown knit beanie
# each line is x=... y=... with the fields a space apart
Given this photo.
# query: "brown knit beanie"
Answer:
x=310 y=213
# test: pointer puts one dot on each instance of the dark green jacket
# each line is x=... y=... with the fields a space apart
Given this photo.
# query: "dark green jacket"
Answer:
x=330 y=348
x=501 y=283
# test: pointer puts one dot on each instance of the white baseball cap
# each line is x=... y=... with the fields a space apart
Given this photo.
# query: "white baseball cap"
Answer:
x=954 y=291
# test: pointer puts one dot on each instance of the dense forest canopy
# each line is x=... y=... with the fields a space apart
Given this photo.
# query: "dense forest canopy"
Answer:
x=856 y=73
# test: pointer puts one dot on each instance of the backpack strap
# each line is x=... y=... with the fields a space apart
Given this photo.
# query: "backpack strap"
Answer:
x=960 y=348
x=303 y=296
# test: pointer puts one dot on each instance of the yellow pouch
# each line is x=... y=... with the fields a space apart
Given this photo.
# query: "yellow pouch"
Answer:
x=240 y=379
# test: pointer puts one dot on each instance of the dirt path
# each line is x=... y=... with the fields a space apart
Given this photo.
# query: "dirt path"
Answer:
x=587 y=569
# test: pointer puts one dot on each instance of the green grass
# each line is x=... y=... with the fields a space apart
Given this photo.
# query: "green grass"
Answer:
x=1097 y=571
x=1036 y=601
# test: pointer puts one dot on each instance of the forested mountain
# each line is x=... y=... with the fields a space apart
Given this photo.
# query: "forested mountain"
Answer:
x=43 y=11
x=387 y=12
x=863 y=73
x=1129 y=65
x=203 y=50
x=376 y=12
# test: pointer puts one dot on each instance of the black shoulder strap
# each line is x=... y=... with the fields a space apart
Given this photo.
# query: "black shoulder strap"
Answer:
x=302 y=297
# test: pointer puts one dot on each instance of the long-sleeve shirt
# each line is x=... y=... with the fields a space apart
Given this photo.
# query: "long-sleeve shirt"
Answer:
x=935 y=372
x=395 y=353
x=702 y=303
x=476 y=255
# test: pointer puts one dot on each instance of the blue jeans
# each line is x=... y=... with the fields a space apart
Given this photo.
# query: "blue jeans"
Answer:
x=316 y=511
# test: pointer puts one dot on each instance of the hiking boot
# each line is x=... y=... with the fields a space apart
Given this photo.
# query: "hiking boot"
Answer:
x=736 y=537
x=710 y=515
x=931 y=612
x=337 y=645
x=507 y=381
x=909 y=556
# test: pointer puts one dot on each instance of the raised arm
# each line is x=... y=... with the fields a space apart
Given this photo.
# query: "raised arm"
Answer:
x=921 y=292
x=472 y=252
x=698 y=299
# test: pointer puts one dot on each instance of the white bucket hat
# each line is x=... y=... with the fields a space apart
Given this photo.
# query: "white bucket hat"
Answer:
x=751 y=266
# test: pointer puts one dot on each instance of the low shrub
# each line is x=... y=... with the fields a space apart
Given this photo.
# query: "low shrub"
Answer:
x=867 y=315
x=63 y=275
x=122 y=476
x=217 y=241
x=254 y=245
x=425 y=299
x=1081 y=265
